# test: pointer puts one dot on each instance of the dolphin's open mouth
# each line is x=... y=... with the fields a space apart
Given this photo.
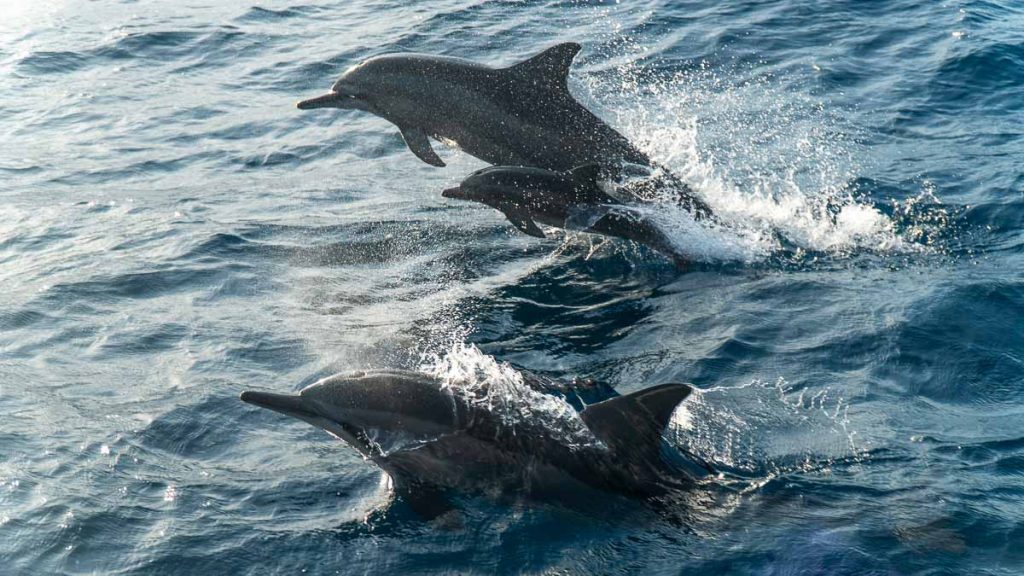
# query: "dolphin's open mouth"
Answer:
x=333 y=100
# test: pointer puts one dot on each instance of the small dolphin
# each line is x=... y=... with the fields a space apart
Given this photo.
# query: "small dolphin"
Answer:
x=522 y=115
x=430 y=439
x=572 y=200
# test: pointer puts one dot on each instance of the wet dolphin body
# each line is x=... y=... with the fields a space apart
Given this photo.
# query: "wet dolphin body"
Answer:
x=522 y=115
x=572 y=200
x=430 y=440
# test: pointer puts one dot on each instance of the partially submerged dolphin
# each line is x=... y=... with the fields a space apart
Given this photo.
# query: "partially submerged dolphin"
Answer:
x=522 y=115
x=429 y=439
x=571 y=200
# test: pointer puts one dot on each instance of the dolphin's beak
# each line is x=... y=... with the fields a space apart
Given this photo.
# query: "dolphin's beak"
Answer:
x=298 y=407
x=293 y=406
x=338 y=97
x=329 y=100
x=455 y=192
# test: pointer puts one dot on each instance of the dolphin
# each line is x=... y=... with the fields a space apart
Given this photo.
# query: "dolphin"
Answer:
x=522 y=115
x=431 y=439
x=573 y=200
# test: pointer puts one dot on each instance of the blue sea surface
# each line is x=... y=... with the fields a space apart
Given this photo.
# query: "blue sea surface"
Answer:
x=173 y=231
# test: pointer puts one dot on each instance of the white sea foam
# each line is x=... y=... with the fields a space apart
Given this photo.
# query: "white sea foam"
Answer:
x=499 y=388
x=775 y=167
x=761 y=430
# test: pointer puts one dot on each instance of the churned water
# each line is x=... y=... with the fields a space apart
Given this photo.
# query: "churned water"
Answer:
x=173 y=231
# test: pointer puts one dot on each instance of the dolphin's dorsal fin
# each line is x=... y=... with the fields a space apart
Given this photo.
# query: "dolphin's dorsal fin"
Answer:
x=416 y=139
x=521 y=219
x=550 y=68
x=635 y=421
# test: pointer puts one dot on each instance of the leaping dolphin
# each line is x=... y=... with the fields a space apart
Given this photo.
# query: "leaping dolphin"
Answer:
x=522 y=115
x=430 y=439
x=571 y=200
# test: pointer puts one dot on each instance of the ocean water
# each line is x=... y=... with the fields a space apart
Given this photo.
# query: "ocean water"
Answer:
x=173 y=231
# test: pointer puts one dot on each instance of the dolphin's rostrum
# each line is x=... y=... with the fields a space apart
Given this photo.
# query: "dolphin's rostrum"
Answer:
x=429 y=439
x=522 y=115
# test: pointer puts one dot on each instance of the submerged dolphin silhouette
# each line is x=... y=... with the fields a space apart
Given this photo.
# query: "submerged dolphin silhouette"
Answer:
x=522 y=115
x=572 y=200
x=428 y=439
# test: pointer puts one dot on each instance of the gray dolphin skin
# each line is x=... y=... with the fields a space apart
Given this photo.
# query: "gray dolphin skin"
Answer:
x=571 y=200
x=522 y=115
x=430 y=440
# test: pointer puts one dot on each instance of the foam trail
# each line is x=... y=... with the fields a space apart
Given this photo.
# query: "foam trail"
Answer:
x=775 y=167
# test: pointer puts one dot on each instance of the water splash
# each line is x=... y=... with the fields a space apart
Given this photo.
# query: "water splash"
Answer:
x=751 y=433
x=777 y=167
x=759 y=431
x=499 y=388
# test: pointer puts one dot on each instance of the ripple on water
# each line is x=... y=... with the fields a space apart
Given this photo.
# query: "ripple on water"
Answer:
x=172 y=231
x=962 y=346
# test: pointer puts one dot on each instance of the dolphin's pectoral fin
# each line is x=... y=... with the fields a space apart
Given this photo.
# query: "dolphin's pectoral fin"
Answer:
x=429 y=502
x=521 y=219
x=549 y=68
x=419 y=143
